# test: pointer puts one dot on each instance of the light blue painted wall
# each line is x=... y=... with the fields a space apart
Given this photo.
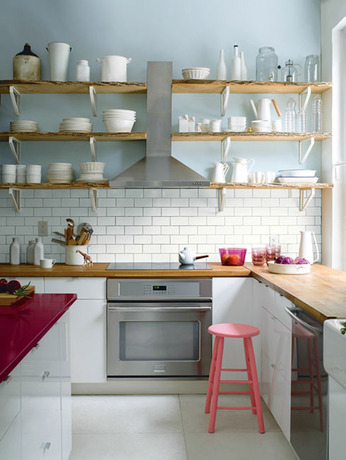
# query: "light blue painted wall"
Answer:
x=187 y=32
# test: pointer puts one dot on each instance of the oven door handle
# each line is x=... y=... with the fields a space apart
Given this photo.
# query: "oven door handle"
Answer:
x=170 y=309
x=311 y=328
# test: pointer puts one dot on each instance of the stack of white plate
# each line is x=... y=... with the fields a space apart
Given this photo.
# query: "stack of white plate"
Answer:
x=24 y=126
x=287 y=176
x=119 y=120
x=76 y=124
x=91 y=171
x=237 y=124
x=60 y=173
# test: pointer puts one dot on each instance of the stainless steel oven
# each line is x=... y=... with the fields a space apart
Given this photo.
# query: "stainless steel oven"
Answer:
x=158 y=327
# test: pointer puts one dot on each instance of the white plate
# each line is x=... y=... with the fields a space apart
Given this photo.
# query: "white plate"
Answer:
x=288 y=269
x=298 y=179
x=297 y=172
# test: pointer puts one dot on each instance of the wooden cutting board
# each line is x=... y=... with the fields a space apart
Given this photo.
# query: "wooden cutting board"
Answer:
x=10 y=299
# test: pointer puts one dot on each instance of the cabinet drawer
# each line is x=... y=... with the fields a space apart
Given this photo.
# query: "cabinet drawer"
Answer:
x=280 y=303
x=85 y=288
x=9 y=400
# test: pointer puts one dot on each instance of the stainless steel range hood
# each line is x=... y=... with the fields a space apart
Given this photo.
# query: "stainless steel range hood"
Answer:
x=158 y=169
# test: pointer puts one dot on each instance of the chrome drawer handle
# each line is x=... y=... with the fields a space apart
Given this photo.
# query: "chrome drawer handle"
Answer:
x=45 y=446
x=45 y=375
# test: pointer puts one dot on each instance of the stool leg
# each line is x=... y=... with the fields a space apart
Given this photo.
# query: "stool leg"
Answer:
x=252 y=362
x=311 y=376
x=211 y=376
x=249 y=374
x=216 y=385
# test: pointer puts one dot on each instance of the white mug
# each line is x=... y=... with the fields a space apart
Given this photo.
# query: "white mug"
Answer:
x=47 y=263
x=215 y=126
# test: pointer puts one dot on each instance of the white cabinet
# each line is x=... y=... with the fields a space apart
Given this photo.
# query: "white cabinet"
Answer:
x=276 y=339
x=232 y=303
x=10 y=445
x=9 y=400
x=88 y=326
x=40 y=387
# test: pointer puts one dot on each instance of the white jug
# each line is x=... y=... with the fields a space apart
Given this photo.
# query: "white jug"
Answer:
x=262 y=112
x=241 y=169
x=114 y=68
x=59 y=54
x=306 y=248
x=220 y=172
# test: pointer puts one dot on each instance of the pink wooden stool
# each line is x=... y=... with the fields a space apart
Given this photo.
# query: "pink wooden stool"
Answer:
x=240 y=331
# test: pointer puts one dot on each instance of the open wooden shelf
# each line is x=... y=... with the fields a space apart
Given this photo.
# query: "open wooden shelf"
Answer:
x=178 y=86
x=74 y=136
x=245 y=136
x=105 y=185
x=71 y=87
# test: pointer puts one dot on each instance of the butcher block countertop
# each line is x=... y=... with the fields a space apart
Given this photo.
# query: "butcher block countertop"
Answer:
x=99 y=270
x=322 y=292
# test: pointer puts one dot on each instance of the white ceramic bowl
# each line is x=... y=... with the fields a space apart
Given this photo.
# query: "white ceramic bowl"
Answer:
x=118 y=125
x=196 y=73
x=33 y=178
x=33 y=169
x=63 y=166
x=8 y=178
x=288 y=269
x=297 y=172
x=9 y=169
x=297 y=180
x=92 y=167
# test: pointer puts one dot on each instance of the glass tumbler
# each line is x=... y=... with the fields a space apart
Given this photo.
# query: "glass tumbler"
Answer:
x=272 y=252
x=258 y=256
x=312 y=68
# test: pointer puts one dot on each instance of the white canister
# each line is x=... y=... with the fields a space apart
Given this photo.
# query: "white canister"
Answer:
x=15 y=252
x=72 y=257
x=38 y=251
x=82 y=70
x=114 y=68
x=59 y=54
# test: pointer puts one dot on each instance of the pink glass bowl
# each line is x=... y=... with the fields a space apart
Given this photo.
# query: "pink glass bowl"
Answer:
x=232 y=256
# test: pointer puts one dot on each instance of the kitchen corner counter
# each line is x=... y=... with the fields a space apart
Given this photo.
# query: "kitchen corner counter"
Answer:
x=322 y=292
x=99 y=270
x=24 y=324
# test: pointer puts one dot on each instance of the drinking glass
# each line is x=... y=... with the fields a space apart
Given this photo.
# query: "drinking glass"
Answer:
x=258 y=256
x=272 y=252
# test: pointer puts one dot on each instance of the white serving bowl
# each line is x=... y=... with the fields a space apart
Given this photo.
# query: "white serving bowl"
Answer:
x=289 y=269
x=33 y=169
x=92 y=167
x=8 y=178
x=118 y=111
x=196 y=73
x=76 y=119
x=118 y=125
x=60 y=165
x=9 y=169
x=297 y=172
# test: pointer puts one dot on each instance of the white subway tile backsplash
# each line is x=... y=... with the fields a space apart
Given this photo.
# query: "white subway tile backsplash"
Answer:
x=154 y=224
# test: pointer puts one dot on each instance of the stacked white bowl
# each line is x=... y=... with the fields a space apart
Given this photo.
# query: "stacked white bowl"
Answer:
x=119 y=120
x=24 y=126
x=236 y=124
x=196 y=73
x=76 y=124
x=33 y=174
x=8 y=175
x=21 y=174
x=60 y=173
x=91 y=171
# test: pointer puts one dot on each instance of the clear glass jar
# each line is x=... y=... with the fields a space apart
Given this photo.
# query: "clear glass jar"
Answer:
x=267 y=64
x=312 y=68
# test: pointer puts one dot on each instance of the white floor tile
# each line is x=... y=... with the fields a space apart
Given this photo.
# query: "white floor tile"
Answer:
x=128 y=447
x=126 y=414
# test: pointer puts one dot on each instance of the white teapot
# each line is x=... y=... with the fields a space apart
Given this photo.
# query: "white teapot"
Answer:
x=188 y=257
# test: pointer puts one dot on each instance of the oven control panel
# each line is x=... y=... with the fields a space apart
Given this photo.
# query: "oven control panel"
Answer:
x=134 y=289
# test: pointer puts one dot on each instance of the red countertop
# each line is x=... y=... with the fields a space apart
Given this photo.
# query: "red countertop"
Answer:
x=24 y=324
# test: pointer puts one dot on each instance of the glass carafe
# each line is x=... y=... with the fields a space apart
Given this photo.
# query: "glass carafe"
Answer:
x=267 y=64
x=290 y=116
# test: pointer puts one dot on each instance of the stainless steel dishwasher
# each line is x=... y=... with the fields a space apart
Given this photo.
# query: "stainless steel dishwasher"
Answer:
x=309 y=387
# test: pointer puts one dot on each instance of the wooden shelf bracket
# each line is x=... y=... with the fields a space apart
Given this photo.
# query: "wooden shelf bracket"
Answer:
x=92 y=94
x=225 y=146
x=15 y=197
x=303 y=157
x=224 y=100
x=93 y=150
x=15 y=148
x=303 y=203
x=221 y=199
x=15 y=98
x=93 y=199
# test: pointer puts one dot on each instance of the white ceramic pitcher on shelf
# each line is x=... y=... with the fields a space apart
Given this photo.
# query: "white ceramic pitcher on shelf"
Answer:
x=262 y=111
x=220 y=172
x=241 y=169
x=114 y=68
x=306 y=247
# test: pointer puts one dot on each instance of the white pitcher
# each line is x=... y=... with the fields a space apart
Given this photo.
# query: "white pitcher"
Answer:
x=241 y=169
x=114 y=68
x=306 y=248
x=220 y=172
x=59 y=54
x=262 y=112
